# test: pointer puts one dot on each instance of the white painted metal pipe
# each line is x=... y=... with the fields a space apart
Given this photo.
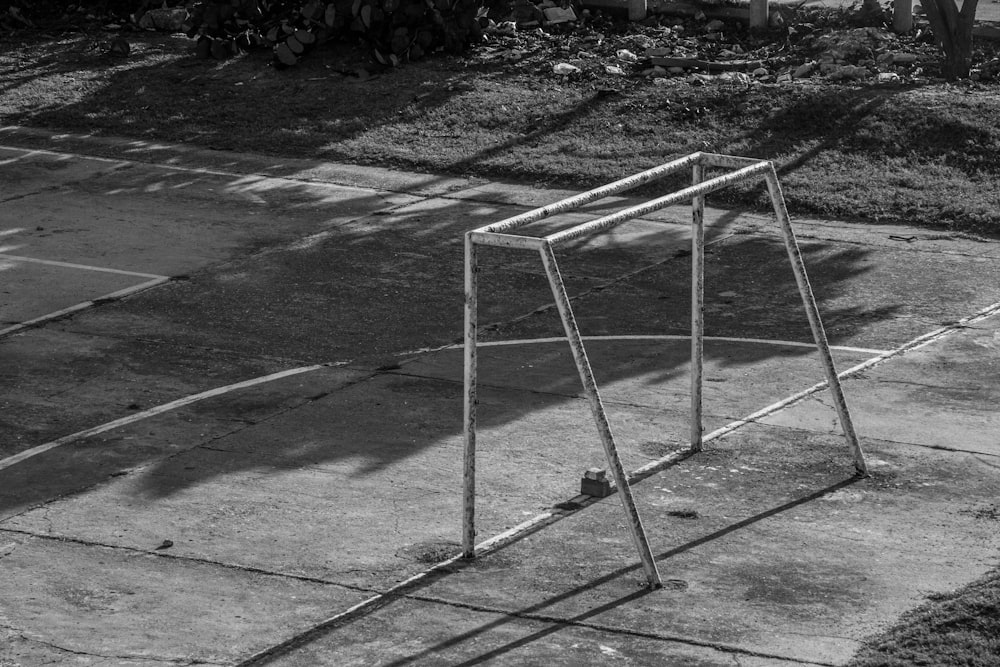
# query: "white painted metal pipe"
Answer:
x=703 y=188
x=470 y=401
x=600 y=417
x=584 y=198
x=506 y=240
x=815 y=323
x=721 y=161
x=697 y=308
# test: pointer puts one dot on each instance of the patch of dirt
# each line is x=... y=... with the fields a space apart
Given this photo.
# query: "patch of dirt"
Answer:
x=985 y=513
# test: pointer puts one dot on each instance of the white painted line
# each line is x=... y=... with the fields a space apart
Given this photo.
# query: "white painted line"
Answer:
x=179 y=168
x=159 y=409
x=916 y=343
x=654 y=337
x=543 y=519
x=29 y=152
x=85 y=267
x=84 y=305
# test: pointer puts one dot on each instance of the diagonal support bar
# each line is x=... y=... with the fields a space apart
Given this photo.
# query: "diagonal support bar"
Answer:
x=815 y=323
x=600 y=417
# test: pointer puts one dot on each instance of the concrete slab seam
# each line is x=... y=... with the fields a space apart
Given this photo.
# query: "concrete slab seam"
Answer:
x=404 y=588
x=399 y=591
x=189 y=559
x=615 y=630
x=113 y=296
x=160 y=409
x=145 y=658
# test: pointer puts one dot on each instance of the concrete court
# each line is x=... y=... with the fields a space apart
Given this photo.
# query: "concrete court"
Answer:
x=167 y=525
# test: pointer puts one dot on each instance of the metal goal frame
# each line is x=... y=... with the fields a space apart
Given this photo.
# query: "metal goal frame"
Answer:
x=499 y=234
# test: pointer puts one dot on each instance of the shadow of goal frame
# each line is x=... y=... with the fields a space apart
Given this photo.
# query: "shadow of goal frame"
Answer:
x=499 y=234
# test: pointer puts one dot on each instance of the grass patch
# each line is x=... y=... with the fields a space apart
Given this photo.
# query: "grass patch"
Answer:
x=951 y=630
x=925 y=154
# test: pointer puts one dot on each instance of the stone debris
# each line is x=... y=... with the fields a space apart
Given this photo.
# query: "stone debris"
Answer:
x=565 y=69
x=804 y=70
x=809 y=45
x=167 y=20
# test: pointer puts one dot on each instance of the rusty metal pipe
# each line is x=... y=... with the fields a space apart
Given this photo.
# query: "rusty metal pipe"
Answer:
x=470 y=401
x=703 y=188
x=600 y=417
x=815 y=323
x=583 y=198
x=697 y=308
x=720 y=161
x=506 y=240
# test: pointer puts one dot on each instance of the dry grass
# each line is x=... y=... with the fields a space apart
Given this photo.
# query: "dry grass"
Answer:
x=960 y=628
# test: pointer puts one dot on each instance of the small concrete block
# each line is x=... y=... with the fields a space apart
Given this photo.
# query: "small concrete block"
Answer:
x=595 y=483
x=559 y=15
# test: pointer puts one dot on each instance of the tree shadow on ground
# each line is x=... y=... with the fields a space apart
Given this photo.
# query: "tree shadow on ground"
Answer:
x=375 y=286
x=889 y=147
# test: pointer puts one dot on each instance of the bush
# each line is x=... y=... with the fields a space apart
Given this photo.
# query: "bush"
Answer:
x=18 y=14
x=397 y=30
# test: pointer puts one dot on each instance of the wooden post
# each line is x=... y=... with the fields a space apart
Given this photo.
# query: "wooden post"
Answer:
x=636 y=10
x=902 y=16
x=758 y=13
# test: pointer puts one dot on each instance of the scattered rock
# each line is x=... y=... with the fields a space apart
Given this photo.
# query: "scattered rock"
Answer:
x=555 y=15
x=739 y=78
x=167 y=20
x=848 y=72
x=804 y=70
x=594 y=47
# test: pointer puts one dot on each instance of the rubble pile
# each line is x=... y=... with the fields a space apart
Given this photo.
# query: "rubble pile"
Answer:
x=569 y=42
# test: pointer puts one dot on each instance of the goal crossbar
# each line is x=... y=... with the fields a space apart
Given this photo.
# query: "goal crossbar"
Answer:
x=499 y=234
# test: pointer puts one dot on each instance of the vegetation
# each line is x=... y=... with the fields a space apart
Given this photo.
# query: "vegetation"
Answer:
x=952 y=27
x=398 y=30
x=958 y=629
x=911 y=149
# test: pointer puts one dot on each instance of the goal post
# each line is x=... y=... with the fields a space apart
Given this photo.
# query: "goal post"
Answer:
x=502 y=234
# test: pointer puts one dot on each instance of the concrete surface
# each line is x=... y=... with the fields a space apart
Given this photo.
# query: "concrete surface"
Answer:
x=154 y=510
